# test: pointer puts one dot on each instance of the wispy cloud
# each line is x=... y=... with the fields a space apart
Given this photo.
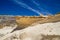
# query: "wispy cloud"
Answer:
x=39 y=6
x=27 y=7
x=35 y=2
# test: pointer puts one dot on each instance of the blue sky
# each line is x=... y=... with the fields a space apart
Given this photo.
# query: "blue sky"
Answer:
x=29 y=7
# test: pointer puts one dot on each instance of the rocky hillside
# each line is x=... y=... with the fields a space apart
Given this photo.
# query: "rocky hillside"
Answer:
x=30 y=27
x=46 y=31
x=25 y=21
x=7 y=21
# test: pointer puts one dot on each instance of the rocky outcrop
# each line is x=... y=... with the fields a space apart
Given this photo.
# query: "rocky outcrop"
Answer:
x=30 y=28
x=46 y=31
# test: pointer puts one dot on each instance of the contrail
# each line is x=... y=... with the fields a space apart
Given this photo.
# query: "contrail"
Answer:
x=46 y=11
x=27 y=7
x=35 y=2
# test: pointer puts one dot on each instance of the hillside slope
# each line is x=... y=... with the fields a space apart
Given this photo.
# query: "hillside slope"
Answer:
x=46 y=31
x=30 y=28
x=25 y=21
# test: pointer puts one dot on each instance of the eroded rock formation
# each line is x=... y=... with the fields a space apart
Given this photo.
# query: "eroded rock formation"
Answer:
x=30 y=28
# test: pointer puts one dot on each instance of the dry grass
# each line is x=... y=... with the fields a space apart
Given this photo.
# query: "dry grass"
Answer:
x=24 y=21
